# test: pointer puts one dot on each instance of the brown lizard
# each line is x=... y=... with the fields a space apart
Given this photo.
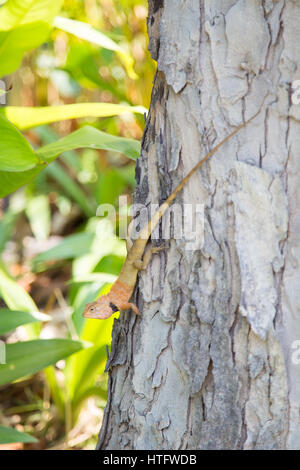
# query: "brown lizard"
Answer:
x=137 y=258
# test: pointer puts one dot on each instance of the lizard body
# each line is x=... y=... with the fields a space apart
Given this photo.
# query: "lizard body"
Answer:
x=121 y=292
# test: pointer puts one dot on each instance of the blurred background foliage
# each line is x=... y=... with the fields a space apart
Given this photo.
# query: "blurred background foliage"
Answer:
x=56 y=254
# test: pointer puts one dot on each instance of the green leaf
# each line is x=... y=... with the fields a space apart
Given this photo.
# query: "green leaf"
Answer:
x=87 y=32
x=71 y=247
x=29 y=357
x=25 y=117
x=9 y=435
x=11 y=319
x=18 y=12
x=24 y=25
x=87 y=136
x=20 y=40
x=11 y=181
x=16 y=153
x=90 y=137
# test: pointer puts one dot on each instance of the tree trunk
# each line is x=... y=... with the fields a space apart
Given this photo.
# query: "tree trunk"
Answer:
x=209 y=363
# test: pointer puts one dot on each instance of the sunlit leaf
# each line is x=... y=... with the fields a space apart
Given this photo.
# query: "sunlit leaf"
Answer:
x=19 y=12
x=29 y=357
x=25 y=117
x=81 y=370
x=87 y=32
x=20 y=40
x=24 y=25
x=10 y=435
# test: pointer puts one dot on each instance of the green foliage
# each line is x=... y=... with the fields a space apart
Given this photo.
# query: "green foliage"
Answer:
x=85 y=31
x=27 y=357
x=16 y=153
x=24 y=25
x=89 y=137
x=11 y=319
x=76 y=156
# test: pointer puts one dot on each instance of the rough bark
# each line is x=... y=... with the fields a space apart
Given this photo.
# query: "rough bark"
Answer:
x=208 y=364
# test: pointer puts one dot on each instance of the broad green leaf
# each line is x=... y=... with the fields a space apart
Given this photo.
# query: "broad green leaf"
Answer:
x=25 y=117
x=10 y=435
x=87 y=136
x=71 y=247
x=90 y=137
x=19 y=12
x=29 y=357
x=13 y=294
x=16 y=153
x=24 y=25
x=11 y=319
x=20 y=40
x=87 y=32
x=11 y=181
x=48 y=136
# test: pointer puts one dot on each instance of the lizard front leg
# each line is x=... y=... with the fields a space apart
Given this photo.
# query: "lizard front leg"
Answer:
x=141 y=264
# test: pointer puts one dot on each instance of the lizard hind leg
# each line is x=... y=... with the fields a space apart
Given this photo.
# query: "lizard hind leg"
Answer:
x=141 y=265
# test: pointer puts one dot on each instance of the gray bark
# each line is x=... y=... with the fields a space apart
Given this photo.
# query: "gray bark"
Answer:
x=208 y=364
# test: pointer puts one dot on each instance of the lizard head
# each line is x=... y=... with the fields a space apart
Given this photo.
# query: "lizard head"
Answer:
x=101 y=309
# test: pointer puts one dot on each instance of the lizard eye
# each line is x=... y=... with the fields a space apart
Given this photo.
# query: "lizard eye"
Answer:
x=92 y=309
